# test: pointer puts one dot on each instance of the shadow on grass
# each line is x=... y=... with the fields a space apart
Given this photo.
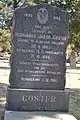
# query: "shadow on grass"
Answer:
x=74 y=102
x=3 y=89
x=76 y=68
x=5 y=68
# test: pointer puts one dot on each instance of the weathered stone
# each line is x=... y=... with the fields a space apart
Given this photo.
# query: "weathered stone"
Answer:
x=39 y=37
x=73 y=59
x=27 y=99
x=15 y=115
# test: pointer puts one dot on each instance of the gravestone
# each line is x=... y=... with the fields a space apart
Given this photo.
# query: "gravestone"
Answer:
x=39 y=38
x=37 y=77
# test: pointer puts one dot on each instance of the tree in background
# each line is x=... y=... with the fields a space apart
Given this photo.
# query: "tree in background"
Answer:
x=6 y=13
x=72 y=6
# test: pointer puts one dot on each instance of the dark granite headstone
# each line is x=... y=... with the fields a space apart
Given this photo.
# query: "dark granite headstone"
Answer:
x=39 y=37
x=33 y=100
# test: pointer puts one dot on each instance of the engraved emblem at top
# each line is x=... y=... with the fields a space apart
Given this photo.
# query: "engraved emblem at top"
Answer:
x=42 y=15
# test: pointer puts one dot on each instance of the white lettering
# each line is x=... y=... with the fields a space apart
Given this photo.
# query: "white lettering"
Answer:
x=25 y=35
x=63 y=38
x=41 y=98
x=28 y=15
x=56 y=18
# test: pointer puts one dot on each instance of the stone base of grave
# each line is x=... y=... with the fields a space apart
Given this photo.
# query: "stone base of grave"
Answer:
x=37 y=100
x=14 y=115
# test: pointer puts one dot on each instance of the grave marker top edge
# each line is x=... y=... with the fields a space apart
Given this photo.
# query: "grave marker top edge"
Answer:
x=65 y=13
